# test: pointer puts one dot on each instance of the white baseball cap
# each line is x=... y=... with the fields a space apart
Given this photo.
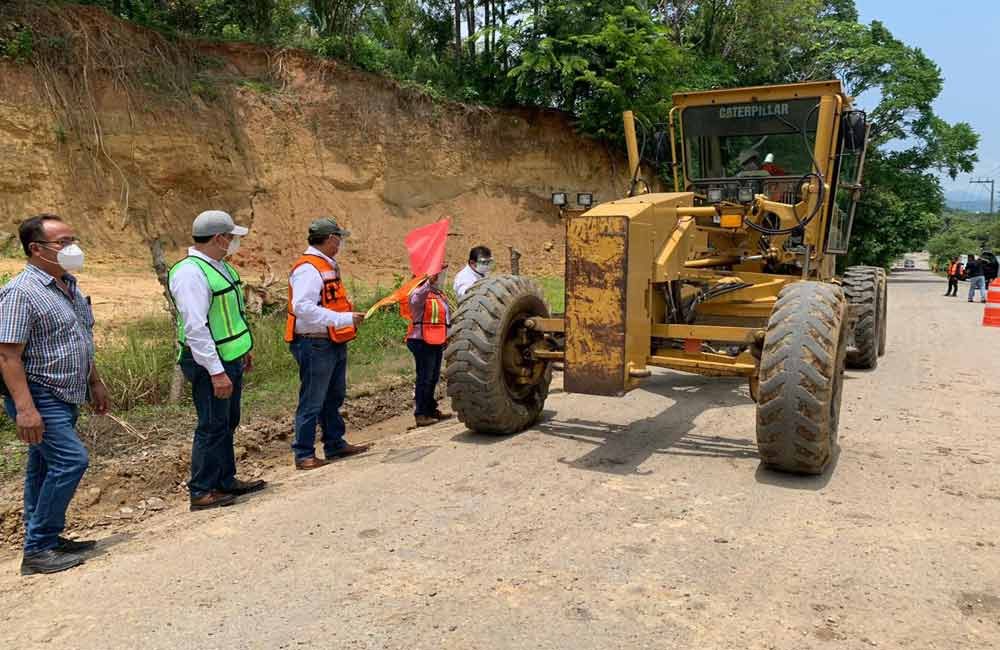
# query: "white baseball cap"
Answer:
x=216 y=222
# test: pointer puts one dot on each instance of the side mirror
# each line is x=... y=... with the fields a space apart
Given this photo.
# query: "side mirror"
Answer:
x=854 y=125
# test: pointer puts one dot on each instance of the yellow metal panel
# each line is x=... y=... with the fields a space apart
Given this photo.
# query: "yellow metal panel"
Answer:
x=758 y=93
x=596 y=262
x=704 y=364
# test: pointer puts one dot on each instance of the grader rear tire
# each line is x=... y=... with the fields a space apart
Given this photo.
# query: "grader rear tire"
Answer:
x=801 y=376
x=861 y=287
x=489 y=390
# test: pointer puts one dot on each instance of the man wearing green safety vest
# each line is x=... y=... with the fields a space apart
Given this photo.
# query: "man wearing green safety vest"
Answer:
x=216 y=346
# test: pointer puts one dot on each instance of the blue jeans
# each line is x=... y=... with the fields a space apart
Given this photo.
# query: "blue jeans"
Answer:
x=213 y=461
x=428 y=361
x=978 y=282
x=55 y=467
x=322 y=388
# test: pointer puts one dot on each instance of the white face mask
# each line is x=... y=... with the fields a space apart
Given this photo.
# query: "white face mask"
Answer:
x=70 y=258
x=482 y=268
x=234 y=245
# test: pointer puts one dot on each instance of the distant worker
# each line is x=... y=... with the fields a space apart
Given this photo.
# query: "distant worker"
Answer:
x=954 y=273
x=479 y=266
x=321 y=321
x=771 y=168
x=216 y=343
x=974 y=274
x=426 y=336
x=47 y=364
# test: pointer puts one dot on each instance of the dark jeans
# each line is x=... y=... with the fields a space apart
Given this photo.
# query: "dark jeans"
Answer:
x=55 y=467
x=952 y=286
x=213 y=462
x=428 y=359
x=322 y=388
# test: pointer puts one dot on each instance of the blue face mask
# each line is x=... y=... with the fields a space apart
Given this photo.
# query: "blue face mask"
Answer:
x=482 y=268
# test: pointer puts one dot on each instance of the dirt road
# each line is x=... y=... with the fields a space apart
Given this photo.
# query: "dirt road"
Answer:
x=643 y=522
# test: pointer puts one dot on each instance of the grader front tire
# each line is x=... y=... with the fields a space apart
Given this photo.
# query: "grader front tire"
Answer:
x=801 y=376
x=861 y=286
x=493 y=385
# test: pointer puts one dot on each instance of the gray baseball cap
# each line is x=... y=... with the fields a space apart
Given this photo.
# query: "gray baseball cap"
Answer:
x=216 y=222
x=327 y=226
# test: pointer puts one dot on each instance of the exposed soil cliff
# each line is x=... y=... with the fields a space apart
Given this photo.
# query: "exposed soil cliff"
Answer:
x=130 y=135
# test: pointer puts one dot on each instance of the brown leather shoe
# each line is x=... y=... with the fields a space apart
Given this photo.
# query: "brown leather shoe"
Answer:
x=212 y=500
x=310 y=463
x=348 y=450
x=245 y=487
x=425 y=420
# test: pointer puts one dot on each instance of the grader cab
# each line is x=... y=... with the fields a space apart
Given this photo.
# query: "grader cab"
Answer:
x=731 y=274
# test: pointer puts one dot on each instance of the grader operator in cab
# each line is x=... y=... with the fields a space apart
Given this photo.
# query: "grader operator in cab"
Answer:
x=731 y=274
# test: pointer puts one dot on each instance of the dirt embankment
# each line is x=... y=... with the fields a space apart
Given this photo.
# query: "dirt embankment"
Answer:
x=130 y=135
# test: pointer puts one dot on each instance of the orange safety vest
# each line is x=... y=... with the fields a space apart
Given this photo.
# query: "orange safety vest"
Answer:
x=333 y=296
x=434 y=325
x=955 y=268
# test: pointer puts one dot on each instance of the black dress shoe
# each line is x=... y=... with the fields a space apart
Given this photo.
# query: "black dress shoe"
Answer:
x=50 y=561
x=67 y=545
x=245 y=487
x=349 y=450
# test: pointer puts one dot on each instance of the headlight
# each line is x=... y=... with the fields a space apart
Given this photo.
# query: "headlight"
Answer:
x=585 y=200
x=559 y=198
x=715 y=195
x=746 y=194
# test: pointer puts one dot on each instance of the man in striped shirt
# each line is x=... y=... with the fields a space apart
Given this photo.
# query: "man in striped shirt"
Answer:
x=47 y=364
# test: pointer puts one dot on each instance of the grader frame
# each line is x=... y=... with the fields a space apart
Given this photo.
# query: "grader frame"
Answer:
x=714 y=278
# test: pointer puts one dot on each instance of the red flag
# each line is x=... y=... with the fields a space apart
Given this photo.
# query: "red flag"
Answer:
x=426 y=247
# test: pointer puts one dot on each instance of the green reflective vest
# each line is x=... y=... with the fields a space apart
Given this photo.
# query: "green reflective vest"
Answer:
x=227 y=320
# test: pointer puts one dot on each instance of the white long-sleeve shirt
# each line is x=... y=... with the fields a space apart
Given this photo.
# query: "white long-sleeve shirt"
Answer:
x=193 y=297
x=465 y=279
x=307 y=291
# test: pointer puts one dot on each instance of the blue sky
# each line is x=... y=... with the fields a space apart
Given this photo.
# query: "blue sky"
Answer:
x=963 y=38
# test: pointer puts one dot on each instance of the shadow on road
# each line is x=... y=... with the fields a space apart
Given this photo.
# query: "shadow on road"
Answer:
x=622 y=449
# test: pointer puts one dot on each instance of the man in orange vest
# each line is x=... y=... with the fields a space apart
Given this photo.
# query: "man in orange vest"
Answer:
x=426 y=336
x=321 y=321
x=954 y=273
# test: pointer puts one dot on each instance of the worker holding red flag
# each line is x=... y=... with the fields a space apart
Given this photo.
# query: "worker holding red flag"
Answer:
x=426 y=336
x=429 y=316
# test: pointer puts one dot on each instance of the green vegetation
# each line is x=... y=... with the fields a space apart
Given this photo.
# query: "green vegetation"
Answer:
x=963 y=233
x=17 y=44
x=554 y=290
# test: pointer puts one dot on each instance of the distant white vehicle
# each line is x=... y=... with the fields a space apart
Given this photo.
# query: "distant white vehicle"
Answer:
x=909 y=265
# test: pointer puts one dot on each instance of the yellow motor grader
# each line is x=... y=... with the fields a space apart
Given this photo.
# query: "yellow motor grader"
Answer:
x=731 y=274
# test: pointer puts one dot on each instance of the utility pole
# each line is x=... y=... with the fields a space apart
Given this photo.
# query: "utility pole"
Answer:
x=984 y=181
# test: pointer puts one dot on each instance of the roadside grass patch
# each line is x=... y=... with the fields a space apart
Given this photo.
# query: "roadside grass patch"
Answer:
x=554 y=290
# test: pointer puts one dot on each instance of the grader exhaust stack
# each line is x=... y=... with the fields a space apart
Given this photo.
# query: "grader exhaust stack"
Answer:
x=733 y=276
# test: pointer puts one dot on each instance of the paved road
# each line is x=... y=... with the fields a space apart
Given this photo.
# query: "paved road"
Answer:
x=643 y=522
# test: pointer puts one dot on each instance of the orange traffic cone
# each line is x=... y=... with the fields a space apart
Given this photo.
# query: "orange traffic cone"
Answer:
x=991 y=315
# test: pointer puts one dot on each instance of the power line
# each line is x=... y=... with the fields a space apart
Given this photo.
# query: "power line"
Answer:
x=984 y=181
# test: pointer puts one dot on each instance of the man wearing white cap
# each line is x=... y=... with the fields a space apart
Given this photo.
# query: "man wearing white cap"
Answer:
x=216 y=343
